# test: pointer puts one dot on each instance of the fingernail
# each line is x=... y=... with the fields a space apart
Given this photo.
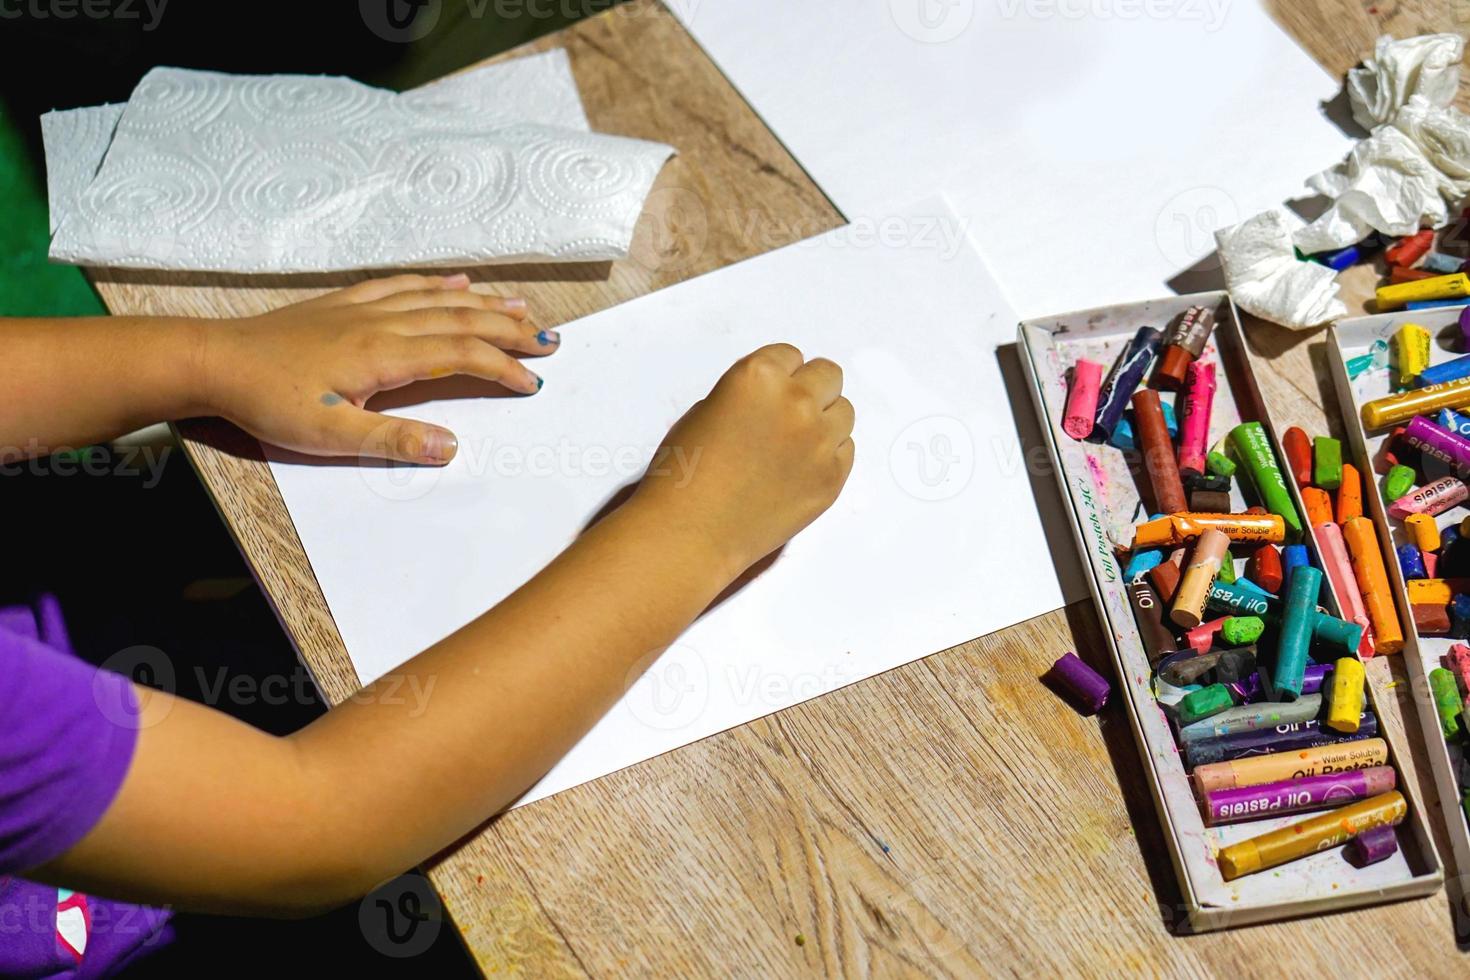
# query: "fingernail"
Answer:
x=536 y=383
x=440 y=445
x=548 y=337
x=457 y=281
x=513 y=303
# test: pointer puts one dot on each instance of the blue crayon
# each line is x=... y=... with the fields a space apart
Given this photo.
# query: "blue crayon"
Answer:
x=1460 y=617
x=1123 y=378
x=1141 y=562
x=1122 y=437
x=1454 y=421
x=1442 y=263
x=1429 y=304
x=1293 y=556
x=1451 y=370
x=1411 y=562
x=1342 y=258
x=1241 y=582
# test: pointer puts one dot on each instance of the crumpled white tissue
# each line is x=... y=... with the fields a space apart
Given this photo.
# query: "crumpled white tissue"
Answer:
x=1265 y=277
x=1428 y=65
x=262 y=174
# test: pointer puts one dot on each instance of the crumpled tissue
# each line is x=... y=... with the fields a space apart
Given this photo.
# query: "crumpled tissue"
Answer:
x=281 y=173
x=1265 y=277
x=1428 y=65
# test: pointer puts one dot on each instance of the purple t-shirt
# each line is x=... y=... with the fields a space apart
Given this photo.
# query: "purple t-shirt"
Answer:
x=67 y=732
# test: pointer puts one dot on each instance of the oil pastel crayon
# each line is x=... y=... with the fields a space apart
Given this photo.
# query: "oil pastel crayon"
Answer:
x=1208 y=501
x=1410 y=248
x=1430 y=620
x=1345 y=698
x=1261 y=716
x=1253 y=449
x=1201 y=704
x=1436 y=304
x=1411 y=561
x=1451 y=370
x=1253 y=688
x=1398 y=481
x=1297 y=795
x=1175 y=529
x=1298 y=449
x=1264 y=568
x=1371 y=846
x=1191 y=667
x=1207 y=481
x=1194 y=427
x=1432 y=498
x=1435 y=440
x=1442 y=263
x=1339 y=568
x=1341 y=757
x=1311 y=835
x=1460 y=617
x=1286 y=738
x=1219 y=464
x=1325 y=628
x=1077 y=418
x=1447 y=702
x=1380 y=413
x=1393 y=297
x=1372 y=579
x=1454 y=421
x=1088 y=689
x=1423 y=530
x=1148 y=612
x=1349 y=494
x=1401 y=273
x=1296 y=633
x=1202 y=637
x=1187 y=609
x=1141 y=561
x=1184 y=342
x=1165 y=578
x=1125 y=437
x=1158 y=452
x=1465 y=329
x=1411 y=346
x=1241 y=630
x=1458 y=660
x=1318 y=505
x=1341 y=258
x=1293 y=556
x=1436 y=591
x=1127 y=371
x=1327 y=462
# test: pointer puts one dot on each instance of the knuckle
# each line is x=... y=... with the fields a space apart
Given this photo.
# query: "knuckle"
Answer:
x=462 y=317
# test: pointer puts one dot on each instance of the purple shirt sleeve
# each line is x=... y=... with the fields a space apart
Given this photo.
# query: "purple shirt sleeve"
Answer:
x=67 y=732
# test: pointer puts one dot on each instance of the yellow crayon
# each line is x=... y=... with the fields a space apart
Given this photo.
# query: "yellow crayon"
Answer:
x=1380 y=413
x=1452 y=286
x=1430 y=592
x=1424 y=530
x=1411 y=351
x=1345 y=695
x=1312 y=835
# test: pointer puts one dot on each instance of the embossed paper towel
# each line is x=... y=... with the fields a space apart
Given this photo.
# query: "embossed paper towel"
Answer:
x=287 y=173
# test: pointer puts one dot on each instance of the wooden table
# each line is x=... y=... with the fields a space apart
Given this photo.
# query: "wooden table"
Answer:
x=947 y=817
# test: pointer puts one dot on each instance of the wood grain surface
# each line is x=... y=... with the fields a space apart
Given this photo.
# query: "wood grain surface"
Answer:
x=949 y=817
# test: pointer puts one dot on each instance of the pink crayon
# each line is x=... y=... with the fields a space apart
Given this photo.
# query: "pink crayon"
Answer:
x=1202 y=637
x=1432 y=498
x=1194 y=425
x=1082 y=399
x=1339 y=569
x=1458 y=660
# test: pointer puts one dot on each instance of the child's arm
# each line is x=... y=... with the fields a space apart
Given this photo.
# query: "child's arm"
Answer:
x=296 y=377
x=216 y=815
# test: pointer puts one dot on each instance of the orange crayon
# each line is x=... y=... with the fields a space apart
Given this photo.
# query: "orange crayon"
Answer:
x=1350 y=494
x=1318 y=504
x=1175 y=529
x=1372 y=579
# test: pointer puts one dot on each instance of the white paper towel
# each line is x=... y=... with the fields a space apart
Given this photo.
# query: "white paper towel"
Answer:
x=1428 y=65
x=290 y=173
x=1266 y=278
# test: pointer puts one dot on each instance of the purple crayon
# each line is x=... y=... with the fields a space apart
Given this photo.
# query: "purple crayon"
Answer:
x=1251 y=689
x=1289 y=737
x=1087 y=687
x=1372 y=845
x=1437 y=441
x=1297 y=795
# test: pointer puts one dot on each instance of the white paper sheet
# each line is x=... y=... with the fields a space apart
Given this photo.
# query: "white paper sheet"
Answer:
x=935 y=540
x=1093 y=146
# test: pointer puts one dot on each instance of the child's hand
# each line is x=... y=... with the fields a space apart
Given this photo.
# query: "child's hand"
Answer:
x=298 y=376
x=759 y=458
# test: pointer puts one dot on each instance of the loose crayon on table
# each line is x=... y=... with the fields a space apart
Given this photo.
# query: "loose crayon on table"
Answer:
x=1184 y=342
x=1077 y=419
x=1340 y=259
x=1451 y=370
x=1339 y=569
x=1380 y=413
x=1439 y=442
x=1219 y=464
x=1434 y=304
x=1409 y=249
x=1345 y=696
x=1253 y=449
x=1129 y=369
x=1327 y=462
x=1262 y=716
x=1371 y=846
x=1311 y=835
x=1298 y=448
x=1296 y=632
x=1399 y=481
x=1241 y=630
x=1158 y=452
x=1148 y=611
x=1264 y=568
x=1125 y=435
x=1432 y=498
x=1188 y=606
x=1349 y=494
x=1441 y=263
x=1088 y=689
x=1372 y=579
x=1447 y=703
x=1399 y=274
x=1283 y=739
x=1393 y=297
x=1342 y=757
x=1318 y=504
x=1411 y=561
x=1423 y=530
x=1299 y=795
x=1176 y=529
x=1411 y=346
x=1293 y=556
x=1194 y=427
x=1205 y=702
x=1430 y=620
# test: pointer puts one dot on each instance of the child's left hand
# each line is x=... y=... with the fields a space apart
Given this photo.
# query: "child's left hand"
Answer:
x=298 y=376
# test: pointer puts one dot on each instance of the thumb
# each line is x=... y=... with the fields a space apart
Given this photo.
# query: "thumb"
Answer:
x=351 y=431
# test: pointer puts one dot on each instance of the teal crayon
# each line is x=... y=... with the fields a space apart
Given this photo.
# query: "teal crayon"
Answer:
x=1265 y=715
x=1232 y=600
x=1295 y=633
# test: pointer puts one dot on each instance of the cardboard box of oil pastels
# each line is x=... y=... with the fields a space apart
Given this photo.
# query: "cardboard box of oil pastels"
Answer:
x=1409 y=429
x=1269 y=811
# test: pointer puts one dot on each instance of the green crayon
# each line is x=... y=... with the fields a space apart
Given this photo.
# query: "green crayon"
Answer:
x=1227 y=569
x=1399 y=481
x=1447 y=702
x=1296 y=632
x=1254 y=451
x=1219 y=464
x=1240 y=630
x=1205 y=702
x=1326 y=463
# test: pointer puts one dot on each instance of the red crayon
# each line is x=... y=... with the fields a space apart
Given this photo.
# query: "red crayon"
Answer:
x=1264 y=568
x=1158 y=452
x=1407 y=251
x=1298 y=455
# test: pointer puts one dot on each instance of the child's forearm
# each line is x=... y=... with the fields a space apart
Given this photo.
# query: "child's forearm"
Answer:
x=75 y=382
x=383 y=781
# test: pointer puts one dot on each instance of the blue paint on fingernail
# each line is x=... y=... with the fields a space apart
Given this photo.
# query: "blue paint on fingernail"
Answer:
x=539 y=382
x=548 y=337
